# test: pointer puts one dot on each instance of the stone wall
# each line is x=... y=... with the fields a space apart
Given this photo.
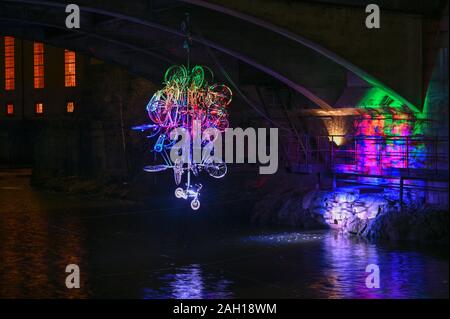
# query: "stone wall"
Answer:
x=368 y=212
x=425 y=225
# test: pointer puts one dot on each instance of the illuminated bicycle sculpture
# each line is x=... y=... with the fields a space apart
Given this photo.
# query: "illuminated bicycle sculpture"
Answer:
x=188 y=97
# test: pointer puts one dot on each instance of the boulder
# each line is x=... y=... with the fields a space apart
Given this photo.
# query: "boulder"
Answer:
x=424 y=225
x=355 y=225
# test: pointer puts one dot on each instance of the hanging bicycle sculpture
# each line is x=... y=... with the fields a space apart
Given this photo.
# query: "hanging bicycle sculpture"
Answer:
x=188 y=99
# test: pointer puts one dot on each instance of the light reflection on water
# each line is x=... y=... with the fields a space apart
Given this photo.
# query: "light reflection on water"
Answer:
x=341 y=263
x=121 y=256
x=347 y=259
x=313 y=265
x=33 y=259
x=285 y=238
x=33 y=253
x=189 y=282
x=404 y=273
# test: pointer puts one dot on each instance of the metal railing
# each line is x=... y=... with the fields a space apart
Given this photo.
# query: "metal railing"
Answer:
x=375 y=155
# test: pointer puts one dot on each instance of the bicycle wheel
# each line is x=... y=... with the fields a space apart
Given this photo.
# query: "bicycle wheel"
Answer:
x=177 y=74
x=155 y=168
x=220 y=95
x=208 y=76
x=197 y=76
x=195 y=204
x=157 y=108
x=179 y=193
x=221 y=123
x=215 y=167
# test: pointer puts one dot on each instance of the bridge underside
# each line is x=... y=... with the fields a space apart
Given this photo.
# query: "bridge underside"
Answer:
x=146 y=37
x=306 y=64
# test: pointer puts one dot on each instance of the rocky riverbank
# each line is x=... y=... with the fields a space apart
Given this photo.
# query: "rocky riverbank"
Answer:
x=366 y=212
x=427 y=224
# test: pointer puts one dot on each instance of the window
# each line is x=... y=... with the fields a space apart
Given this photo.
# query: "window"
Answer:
x=39 y=108
x=9 y=109
x=70 y=107
x=38 y=60
x=70 y=69
x=9 y=64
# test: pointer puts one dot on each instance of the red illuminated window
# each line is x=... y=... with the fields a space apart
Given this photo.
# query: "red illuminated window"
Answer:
x=9 y=109
x=70 y=107
x=9 y=64
x=70 y=69
x=39 y=108
x=38 y=63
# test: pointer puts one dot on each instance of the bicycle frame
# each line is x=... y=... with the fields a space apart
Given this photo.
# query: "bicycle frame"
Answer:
x=186 y=97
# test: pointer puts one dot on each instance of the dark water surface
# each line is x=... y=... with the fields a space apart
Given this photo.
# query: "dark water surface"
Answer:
x=163 y=250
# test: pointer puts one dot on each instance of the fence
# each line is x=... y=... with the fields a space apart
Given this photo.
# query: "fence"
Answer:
x=370 y=155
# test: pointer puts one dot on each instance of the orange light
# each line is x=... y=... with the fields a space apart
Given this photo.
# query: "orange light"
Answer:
x=38 y=62
x=9 y=109
x=337 y=129
x=9 y=64
x=39 y=108
x=70 y=69
x=70 y=107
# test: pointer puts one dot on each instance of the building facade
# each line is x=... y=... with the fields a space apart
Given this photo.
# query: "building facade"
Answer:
x=38 y=81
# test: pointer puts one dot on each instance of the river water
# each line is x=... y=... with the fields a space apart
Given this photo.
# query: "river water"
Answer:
x=163 y=250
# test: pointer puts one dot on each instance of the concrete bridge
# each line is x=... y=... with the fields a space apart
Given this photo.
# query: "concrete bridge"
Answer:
x=320 y=52
x=328 y=56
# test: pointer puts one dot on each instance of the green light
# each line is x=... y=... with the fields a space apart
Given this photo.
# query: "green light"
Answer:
x=377 y=98
x=403 y=123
